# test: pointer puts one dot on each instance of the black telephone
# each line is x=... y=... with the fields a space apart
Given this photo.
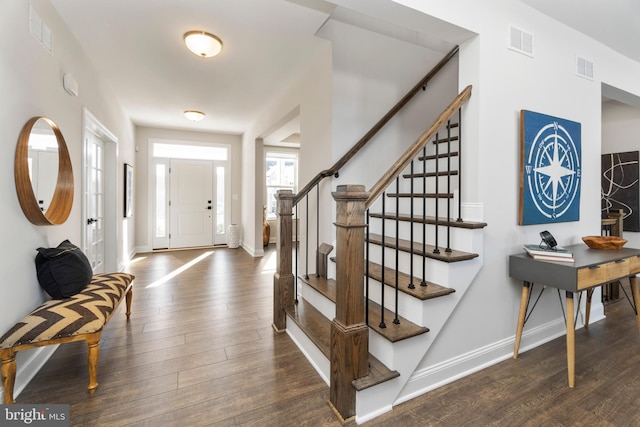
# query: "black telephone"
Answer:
x=548 y=239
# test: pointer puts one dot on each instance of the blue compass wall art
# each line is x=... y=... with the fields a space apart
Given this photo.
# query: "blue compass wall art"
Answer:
x=551 y=169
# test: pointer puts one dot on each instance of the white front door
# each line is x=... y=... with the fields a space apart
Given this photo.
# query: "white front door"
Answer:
x=94 y=202
x=191 y=203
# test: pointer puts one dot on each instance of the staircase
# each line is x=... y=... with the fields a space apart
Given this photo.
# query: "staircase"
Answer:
x=371 y=312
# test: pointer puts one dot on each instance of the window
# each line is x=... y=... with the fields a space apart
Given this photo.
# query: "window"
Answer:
x=282 y=174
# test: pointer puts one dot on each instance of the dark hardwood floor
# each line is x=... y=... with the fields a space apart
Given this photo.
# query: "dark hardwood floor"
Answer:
x=199 y=350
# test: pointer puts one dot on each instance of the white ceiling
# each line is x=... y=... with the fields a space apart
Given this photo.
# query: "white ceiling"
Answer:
x=137 y=48
x=614 y=23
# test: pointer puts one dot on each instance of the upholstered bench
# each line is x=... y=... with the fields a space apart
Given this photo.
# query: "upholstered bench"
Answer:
x=80 y=317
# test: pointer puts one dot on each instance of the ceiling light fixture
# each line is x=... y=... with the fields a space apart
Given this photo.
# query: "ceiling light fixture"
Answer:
x=202 y=43
x=194 y=115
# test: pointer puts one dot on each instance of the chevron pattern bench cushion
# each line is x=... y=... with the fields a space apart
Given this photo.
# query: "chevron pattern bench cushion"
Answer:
x=86 y=312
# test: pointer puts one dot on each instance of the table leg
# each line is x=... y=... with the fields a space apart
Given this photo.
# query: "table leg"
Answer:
x=633 y=280
x=521 y=316
x=587 y=311
x=571 y=341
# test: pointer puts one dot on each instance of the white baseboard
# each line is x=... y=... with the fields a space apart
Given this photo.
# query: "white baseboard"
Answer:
x=472 y=211
x=439 y=374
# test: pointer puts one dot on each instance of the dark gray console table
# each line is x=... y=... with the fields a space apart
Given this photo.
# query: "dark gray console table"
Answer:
x=592 y=268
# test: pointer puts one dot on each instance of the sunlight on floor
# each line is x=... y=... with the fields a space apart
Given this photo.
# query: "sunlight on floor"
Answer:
x=138 y=259
x=270 y=263
x=177 y=271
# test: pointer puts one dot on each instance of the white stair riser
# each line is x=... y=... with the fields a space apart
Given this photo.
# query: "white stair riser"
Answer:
x=435 y=271
x=323 y=304
x=445 y=206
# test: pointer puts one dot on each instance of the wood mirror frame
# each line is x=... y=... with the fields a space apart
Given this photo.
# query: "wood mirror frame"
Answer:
x=62 y=201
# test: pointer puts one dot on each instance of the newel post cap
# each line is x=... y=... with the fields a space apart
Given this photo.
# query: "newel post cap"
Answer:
x=350 y=191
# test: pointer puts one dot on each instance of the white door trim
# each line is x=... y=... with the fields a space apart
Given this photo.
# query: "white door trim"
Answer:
x=90 y=124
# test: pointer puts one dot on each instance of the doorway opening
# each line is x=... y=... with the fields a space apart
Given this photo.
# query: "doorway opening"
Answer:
x=190 y=194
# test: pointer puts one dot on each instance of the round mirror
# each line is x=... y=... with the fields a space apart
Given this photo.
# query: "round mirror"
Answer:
x=43 y=173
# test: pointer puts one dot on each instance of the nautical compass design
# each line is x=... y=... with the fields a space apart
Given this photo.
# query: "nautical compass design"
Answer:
x=551 y=169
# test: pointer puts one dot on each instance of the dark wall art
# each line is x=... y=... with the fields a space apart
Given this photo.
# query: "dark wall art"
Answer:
x=620 y=188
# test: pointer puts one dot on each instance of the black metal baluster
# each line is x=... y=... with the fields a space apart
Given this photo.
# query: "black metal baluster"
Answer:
x=437 y=198
x=411 y=285
x=459 y=165
x=366 y=267
x=448 y=186
x=396 y=321
x=306 y=273
x=317 y=228
x=384 y=219
x=424 y=217
x=295 y=221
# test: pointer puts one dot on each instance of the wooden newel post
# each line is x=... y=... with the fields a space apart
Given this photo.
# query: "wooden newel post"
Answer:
x=349 y=332
x=283 y=279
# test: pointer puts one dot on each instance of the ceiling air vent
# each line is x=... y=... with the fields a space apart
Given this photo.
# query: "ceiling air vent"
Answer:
x=584 y=68
x=521 y=41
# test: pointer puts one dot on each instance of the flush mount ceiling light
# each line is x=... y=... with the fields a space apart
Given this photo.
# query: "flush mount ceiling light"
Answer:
x=202 y=43
x=194 y=115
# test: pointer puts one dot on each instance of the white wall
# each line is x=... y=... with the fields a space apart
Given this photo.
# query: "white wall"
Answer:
x=31 y=85
x=309 y=93
x=371 y=73
x=144 y=236
x=620 y=130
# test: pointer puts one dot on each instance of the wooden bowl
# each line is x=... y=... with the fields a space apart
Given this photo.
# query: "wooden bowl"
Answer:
x=604 y=242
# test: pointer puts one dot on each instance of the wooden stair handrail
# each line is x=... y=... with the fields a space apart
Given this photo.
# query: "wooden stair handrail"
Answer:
x=415 y=148
x=369 y=135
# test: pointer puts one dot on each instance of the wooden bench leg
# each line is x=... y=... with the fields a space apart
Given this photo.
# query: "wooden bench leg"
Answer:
x=8 y=374
x=93 y=342
x=129 y=297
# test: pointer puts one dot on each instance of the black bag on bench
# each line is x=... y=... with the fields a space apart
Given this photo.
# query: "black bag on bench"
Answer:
x=63 y=271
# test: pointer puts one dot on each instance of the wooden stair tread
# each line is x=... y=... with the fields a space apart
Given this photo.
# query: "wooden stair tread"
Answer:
x=439 y=156
x=378 y=373
x=326 y=287
x=405 y=245
x=313 y=324
x=432 y=290
x=444 y=140
x=318 y=329
x=430 y=174
x=393 y=332
x=432 y=220
x=420 y=195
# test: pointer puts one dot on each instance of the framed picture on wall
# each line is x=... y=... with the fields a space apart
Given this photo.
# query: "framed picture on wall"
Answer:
x=620 y=188
x=128 y=190
x=550 y=169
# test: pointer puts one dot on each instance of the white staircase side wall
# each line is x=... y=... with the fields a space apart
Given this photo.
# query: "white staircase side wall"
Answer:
x=407 y=355
x=373 y=401
x=442 y=273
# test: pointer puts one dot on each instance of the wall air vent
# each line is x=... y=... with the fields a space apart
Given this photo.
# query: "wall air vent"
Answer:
x=39 y=30
x=584 y=68
x=521 y=41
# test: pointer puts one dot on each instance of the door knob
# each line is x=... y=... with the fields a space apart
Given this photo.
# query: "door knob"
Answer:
x=91 y=221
